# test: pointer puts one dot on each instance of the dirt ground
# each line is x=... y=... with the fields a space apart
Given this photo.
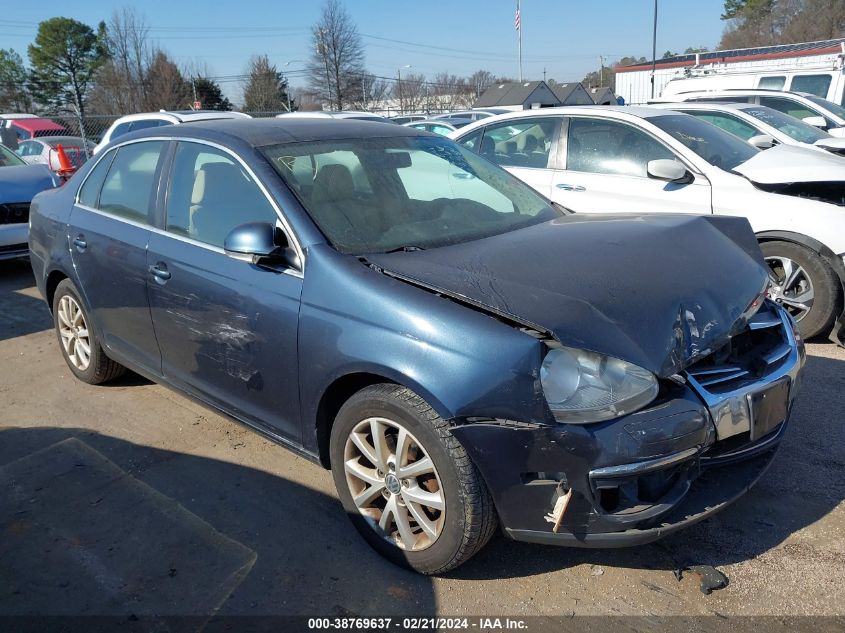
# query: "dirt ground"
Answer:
x=133 y=492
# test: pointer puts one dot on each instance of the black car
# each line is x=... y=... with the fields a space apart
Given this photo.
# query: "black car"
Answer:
x=459 y=351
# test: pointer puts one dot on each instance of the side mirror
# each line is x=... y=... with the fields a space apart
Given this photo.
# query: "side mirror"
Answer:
x=669 y=170
x=815 y=121
x=762 y=141
x=260 y=243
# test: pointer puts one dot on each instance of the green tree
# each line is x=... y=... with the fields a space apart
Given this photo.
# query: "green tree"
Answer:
x=210 y=95
x=64 y=59
x=266 y=89
x=13 y=94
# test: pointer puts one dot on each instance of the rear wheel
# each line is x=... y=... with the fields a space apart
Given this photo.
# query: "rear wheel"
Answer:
x=80 y=347
x=406 y=483
x=804 y=284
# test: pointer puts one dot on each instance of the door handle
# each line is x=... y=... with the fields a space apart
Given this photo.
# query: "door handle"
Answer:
x=80 y=243
x=566 y=187
x=160 y=272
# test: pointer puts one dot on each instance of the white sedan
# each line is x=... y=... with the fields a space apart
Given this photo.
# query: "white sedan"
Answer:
x=761 y=126
x=612 y=159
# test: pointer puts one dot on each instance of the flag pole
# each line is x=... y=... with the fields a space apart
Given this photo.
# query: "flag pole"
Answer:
x=519 y=33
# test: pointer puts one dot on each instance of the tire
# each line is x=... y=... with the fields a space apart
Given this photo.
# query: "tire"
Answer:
x=70 y=320
x=468 y=518
x=817 y=277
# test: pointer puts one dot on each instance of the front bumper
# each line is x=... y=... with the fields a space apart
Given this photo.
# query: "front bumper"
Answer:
x=646 y=475
x=13 y=240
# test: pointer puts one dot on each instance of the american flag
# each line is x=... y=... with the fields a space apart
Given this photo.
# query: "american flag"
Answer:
x=516 y=19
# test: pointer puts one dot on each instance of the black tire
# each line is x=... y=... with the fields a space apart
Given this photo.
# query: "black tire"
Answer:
x=100 y=367
x=470 y=518
x=827 y=288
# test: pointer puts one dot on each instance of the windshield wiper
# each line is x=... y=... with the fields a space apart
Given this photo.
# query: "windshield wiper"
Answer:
x=407 y=248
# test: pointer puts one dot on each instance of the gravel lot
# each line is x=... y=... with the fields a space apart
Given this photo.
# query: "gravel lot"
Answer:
x=271 y=525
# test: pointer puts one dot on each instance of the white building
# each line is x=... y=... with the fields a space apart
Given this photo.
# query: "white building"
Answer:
x=740 y=68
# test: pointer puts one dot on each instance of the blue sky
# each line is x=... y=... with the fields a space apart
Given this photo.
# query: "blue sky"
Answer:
x=564 y=37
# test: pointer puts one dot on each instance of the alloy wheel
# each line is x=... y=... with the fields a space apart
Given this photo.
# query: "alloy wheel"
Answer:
x=74 y=333
x=790 y=286
x=394 y=484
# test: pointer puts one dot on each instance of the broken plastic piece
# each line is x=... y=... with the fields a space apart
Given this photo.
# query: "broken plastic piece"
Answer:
x=561 y=505
x=711 y=578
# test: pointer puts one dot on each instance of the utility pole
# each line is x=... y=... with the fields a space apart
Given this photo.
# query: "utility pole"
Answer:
x=518 y=25
x=601 y=70
x=654 y=49
x=399 y=85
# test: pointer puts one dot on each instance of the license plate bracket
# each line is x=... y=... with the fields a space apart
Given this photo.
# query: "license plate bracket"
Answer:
x=768 y=408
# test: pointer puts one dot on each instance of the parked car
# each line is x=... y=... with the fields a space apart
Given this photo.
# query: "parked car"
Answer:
x=19 y=182
x=460 y=352
x=327 y=114
x=612 y=159
x=27 y=126
x=761 y=126
x=444 y=127
x=811 y=109
x=145 y=120
x=43 y=150
x=408 y=118
x=472 y=115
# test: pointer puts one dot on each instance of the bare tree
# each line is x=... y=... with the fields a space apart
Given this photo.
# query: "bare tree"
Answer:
x=411 y=92
x=767 y=22
x=167 y=87
x=266 y=89
x=337 y=58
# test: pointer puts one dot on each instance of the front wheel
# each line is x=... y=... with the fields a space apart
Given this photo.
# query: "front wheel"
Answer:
x=803 y=283
x=406 y=483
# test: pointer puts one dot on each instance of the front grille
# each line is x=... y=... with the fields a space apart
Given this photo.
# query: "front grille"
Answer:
x=750 y=355
x=14 y=213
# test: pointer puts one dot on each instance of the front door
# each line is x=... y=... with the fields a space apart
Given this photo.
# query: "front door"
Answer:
x=605 y=172
x=109 y=230
x=227 y=328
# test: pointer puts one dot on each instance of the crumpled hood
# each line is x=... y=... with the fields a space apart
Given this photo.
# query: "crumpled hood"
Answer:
x=785 y=164
x=20 y=183
x=657 y=291
x=832 y=144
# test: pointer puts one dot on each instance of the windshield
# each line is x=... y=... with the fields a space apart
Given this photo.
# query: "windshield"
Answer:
x=8 y=157
x=383 y=194
x=792 y=127
x=719 y=148
x=838 y=110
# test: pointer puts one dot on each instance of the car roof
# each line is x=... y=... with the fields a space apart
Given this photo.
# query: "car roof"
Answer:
x=273 y=131
x=182 y=116
x=745 y=91
x=705 y=105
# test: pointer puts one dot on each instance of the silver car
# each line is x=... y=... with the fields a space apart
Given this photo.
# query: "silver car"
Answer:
x=43 y=150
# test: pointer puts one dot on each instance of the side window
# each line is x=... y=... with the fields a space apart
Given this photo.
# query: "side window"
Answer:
x=128 y=187
x=787 y=106
x=91 y=189
x=210 y=194
x=520 y=143
x=814 y=84
x=29 y=148
x=472 y=140
x=146 y=123
x=120 y=130
x=772 y=83
x=731 y=124
x=610 y=147
x=441 y=129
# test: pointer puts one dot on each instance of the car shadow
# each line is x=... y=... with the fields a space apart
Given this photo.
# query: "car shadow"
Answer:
x=131 y=531
x=803 y=485
x=22 y=312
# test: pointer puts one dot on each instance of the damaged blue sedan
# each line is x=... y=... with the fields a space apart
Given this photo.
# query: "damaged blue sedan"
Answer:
x=459 y=351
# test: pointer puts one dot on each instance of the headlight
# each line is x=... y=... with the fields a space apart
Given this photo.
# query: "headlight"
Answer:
x=583 y=387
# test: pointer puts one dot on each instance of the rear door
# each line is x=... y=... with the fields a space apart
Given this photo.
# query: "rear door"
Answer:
x=605 y=172
x=227 y=328
x=525 y=147
x=109 y=230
